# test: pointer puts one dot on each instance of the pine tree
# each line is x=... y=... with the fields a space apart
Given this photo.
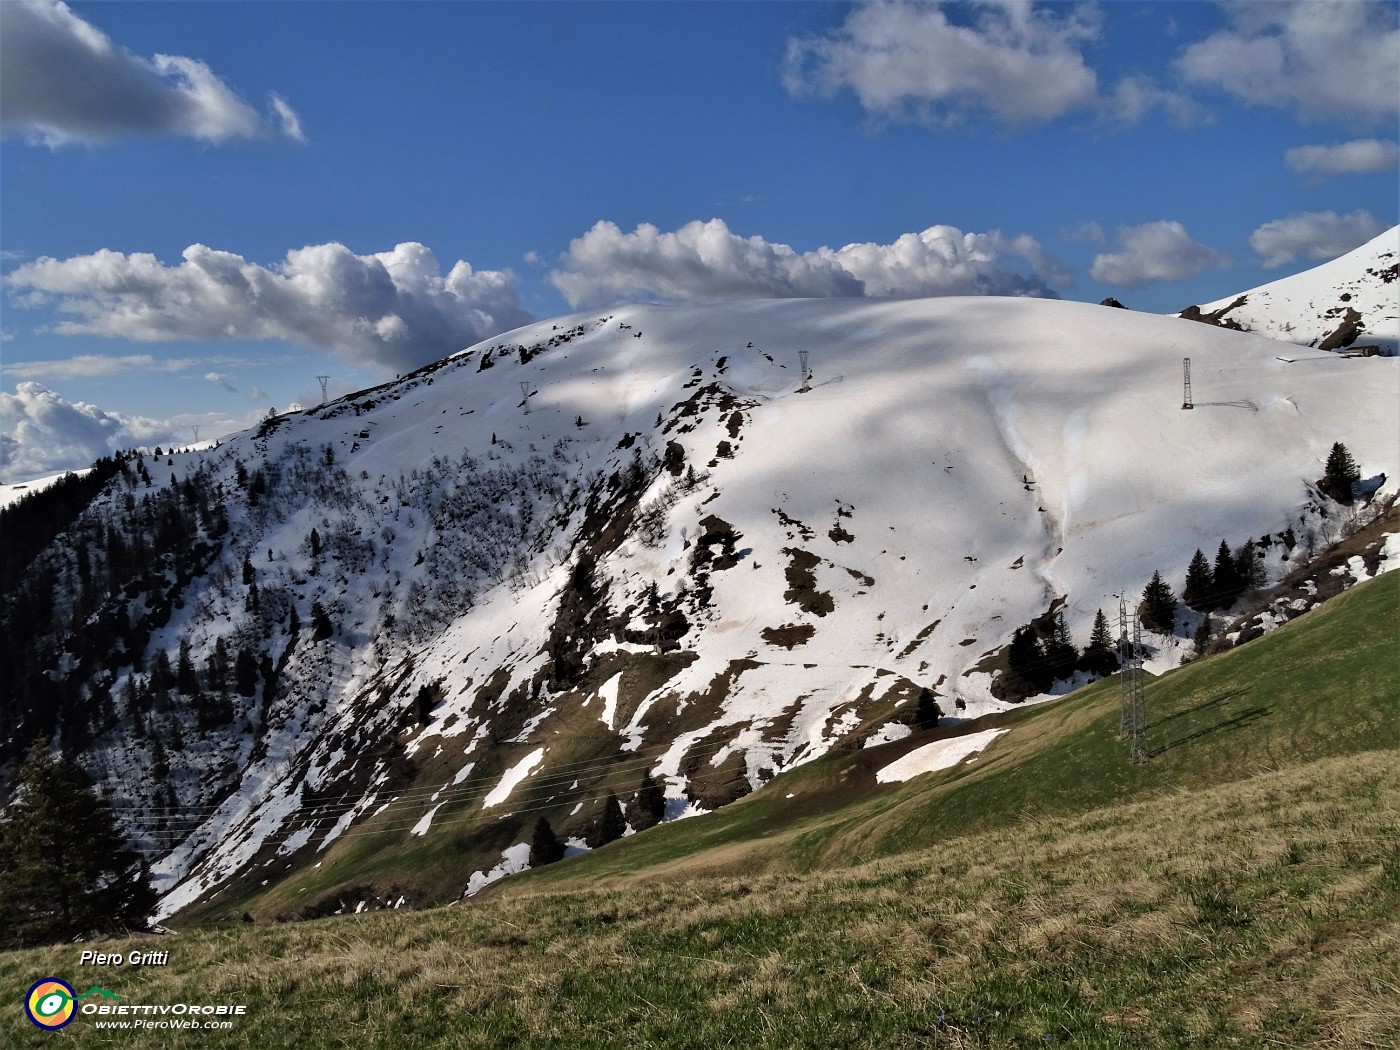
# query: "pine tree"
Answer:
x=1100 y=656
x=1247 y=568
x=649 y=805
x=1199 y=592
x=1228 y=585
x=1340 y=475
x=185 y=678
x=612 y=825
x=321 y=627
x=68 y=871
x=1060 y=653
x=1202 y=636
x=315 y=543
x=545 y=847
x=927 y=714
x=245 y=672
x=1026 y=661
x=216 y=667
x=1158 y=609
x=248 y=575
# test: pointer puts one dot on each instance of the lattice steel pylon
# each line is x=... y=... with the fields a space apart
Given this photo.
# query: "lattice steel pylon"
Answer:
x=1132 y=726
x=1186 y=401
x=525 y=391
x=323 y=380
x=806 y=372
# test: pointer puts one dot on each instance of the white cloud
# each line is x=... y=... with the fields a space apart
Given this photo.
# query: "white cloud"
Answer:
x=1133 y=98
x=1324 y=60
x=1020 y=63
x=706 y=262
x=1358 y=157
x=93 y=366
x=45 y=434
x=63 y=80
x=219 y=379
x=1153 y=252
x=1313 y=235
x=392 y=309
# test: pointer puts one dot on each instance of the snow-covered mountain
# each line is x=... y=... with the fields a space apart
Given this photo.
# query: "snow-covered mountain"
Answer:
x=1347 y=303
x=508 y=583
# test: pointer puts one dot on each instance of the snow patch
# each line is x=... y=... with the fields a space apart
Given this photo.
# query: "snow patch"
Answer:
x=514 y=859
x=939 y=755
x=513 y=776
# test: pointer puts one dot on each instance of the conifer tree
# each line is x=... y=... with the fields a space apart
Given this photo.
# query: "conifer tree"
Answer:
x=1340 y=475
x=545 y=847
x=613 y=825
x=1100 y=655
x=1248 y=571
x=1199 y=592
x=1228 y=585
x=185 y=678
x=1025 y=665
x=245 y=672
x=1060 y=652
x=1202 y=636
x=650 y=804
x=321 y=627
x=68 y=871
x=1158 y=609
x=927 y=714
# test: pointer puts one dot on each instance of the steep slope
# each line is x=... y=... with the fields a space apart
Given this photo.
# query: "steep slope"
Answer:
x=1242 y=888
x=1352 y=301
x=508 y=584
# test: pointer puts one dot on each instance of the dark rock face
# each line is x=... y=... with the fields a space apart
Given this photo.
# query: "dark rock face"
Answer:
x=1110 y=301
x=1217 y=317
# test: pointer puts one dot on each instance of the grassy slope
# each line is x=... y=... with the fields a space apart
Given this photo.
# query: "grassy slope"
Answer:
x=1242 y=889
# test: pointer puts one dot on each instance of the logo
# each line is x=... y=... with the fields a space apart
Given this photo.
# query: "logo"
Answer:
x=51 y=1003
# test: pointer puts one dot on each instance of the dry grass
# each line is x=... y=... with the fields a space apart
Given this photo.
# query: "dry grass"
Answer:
x=1262 y=913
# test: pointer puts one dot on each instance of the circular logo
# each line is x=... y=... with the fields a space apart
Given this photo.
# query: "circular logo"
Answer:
x=50 y=1003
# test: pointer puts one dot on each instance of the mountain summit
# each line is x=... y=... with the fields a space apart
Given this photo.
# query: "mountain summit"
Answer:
x=1351 y=302
x=701 y=543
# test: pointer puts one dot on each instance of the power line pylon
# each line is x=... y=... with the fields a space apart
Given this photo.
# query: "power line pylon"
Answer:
x=324 y=380
x=1132 y=724
x=1186 y=383
x=806 y=372
x=525 y=392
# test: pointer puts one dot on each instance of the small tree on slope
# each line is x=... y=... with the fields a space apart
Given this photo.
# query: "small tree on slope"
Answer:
x=67 y=870
x=613 y=824
x=1100 y=656
x=1341 y=474
x=1200 y=583
x=1158 y=609
x=545 y=847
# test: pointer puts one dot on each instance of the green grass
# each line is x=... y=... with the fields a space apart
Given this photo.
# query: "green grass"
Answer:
x=1240 y=889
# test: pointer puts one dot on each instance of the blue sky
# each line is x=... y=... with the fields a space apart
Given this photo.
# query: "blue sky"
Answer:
x=440 y=172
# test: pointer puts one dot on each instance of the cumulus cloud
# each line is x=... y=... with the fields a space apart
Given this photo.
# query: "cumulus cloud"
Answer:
x=63 y=80
x=45 y=434
x=1313 y=235
x=1153 y=252
x=706 y=262
x=1017 y=62
x=1358 y=157
x=1324 y=60
x=392 y=309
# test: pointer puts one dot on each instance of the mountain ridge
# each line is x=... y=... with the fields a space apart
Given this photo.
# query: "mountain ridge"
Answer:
x=647 y=539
